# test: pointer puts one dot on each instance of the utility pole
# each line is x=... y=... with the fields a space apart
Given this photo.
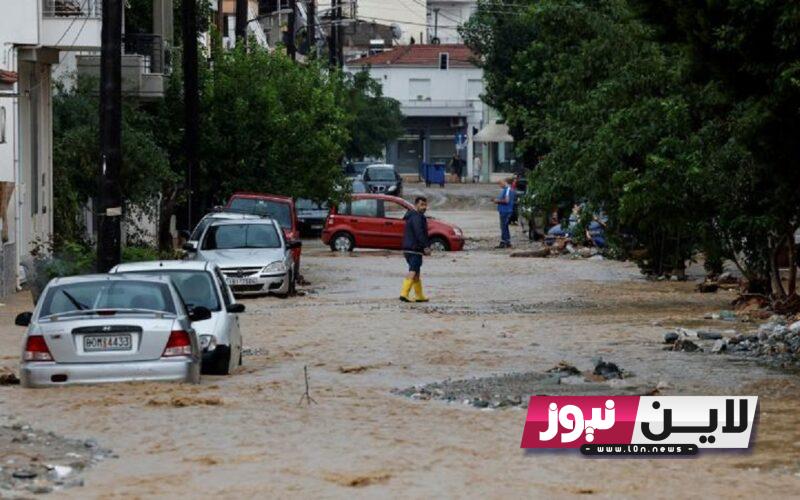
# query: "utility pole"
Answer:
x=333 y=38
x=311 y=26
x=109 y=199
x=191 y=92
x=241 y=21
x=291 y=47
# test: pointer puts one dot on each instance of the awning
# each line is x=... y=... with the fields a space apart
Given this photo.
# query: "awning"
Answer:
x=494 y=132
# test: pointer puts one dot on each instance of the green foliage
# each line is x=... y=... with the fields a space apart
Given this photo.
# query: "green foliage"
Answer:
x=679 y=119
x=373 y=120
x=76 y=156
x=139 y=254
x=271 y=125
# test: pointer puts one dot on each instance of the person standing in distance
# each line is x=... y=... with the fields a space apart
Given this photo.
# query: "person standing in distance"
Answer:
x=505 y=207
x=415 y=244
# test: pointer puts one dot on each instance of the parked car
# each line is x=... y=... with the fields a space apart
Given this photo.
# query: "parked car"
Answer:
x=311 y=215
x=194 y=237
x=376 y=221
x=110 y=328
x=280 y=208
x=355 y=169
x=254 y=255
x=383 y=178
x=203 y=284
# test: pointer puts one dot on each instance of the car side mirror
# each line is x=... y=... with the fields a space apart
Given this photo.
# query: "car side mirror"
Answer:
x=199 y=313
x=23 y=319
x=236 y=308
x=190 y=246
x=294 y=244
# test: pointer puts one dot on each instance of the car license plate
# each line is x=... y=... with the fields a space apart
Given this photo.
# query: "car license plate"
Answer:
x=242 y=281
x=92 y=343
x=316 y=226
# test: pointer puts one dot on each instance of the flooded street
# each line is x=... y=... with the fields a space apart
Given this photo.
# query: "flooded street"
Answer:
x=249 y=434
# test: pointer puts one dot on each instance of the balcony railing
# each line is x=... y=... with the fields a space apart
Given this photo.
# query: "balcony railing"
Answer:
x=72 y=8
x=148 y=45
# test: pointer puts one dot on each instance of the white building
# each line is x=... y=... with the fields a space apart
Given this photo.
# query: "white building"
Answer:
x=32 y=32
x=445 y=16
x=408 y=15
x=439 y=89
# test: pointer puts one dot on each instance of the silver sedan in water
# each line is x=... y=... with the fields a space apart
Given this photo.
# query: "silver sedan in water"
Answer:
x=110 y=328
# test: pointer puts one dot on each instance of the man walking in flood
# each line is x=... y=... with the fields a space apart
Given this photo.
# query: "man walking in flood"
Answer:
x=415 y=244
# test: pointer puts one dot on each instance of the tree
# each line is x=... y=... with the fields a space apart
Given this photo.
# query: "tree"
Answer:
x=374 y=119
x=270 y=125
x=745 y=56
x=76 y=156
x=586 y=89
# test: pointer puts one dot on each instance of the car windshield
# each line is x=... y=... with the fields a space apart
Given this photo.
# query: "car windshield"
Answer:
x=198 y=230
x=278 y=210
x=196 y=287
x=380 y=174
x=107 y=294
x=304 y=204
x=229 y=236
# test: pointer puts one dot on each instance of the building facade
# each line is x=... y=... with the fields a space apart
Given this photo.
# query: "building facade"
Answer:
x=444 y=18
x=32 y=34
x=439 y=89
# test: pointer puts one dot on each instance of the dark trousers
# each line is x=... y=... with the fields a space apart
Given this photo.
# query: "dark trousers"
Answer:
x=505 y=233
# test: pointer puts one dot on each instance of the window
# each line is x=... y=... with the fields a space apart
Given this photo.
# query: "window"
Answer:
x=393 y=210
x=196 y=287
x=380 y=174
x=419 y=89
x=444 y=60
x=278 y=210
x=107 y=295
x=364 y=208
x=229 y=236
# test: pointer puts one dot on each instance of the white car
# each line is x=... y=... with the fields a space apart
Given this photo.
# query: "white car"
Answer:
x=253 y=254
x=201 y=284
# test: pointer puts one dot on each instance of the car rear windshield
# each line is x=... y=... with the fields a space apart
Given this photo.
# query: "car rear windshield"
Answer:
x=230 y=236
x=278 y=210
x=303 y=204
x=380 y=174
x=196 y=287
x=107 y=294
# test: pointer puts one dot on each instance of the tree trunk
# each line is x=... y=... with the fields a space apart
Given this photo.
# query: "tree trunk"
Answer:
x=778 y=292
x=168 y=204
x=792 y=289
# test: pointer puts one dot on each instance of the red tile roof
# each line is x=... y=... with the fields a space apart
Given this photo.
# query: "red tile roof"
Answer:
x=419 y=55
x=7 y=77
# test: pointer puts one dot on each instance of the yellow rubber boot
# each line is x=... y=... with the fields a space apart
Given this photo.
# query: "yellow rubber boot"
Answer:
x=419 y=296
x=407 y=283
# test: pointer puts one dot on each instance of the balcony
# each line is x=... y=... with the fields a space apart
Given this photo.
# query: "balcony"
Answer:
x=71 y=24
x=438 y=107
x=144 y=64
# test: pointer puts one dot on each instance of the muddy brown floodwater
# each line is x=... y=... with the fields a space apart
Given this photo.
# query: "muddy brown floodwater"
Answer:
x=246 y=435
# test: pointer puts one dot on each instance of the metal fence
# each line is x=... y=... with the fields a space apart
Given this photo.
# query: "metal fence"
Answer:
x=72 y=8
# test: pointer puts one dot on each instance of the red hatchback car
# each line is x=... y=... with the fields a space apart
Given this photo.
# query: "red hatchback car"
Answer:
x=280 y=208
x=376 y=221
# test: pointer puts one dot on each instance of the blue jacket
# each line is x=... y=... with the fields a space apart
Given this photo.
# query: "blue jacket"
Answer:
x=415 y=234
x=507 y=208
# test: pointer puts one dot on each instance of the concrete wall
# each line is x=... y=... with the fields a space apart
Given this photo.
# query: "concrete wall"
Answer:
x=451 y=14
x=409 y=15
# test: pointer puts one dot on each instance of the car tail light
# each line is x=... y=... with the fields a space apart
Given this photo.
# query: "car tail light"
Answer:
x=179 y=344
x=36 y=349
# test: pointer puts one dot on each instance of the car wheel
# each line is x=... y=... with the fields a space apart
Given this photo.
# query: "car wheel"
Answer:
x=439 y=244
x=342 y=242
x=220 y=363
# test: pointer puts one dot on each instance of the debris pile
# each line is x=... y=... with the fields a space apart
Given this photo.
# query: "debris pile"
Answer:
x=776 y=342
x=557 y=249
x=36 y=462
x=515 y=389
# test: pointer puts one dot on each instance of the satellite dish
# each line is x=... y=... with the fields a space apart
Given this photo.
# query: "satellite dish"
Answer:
x=397 y=31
